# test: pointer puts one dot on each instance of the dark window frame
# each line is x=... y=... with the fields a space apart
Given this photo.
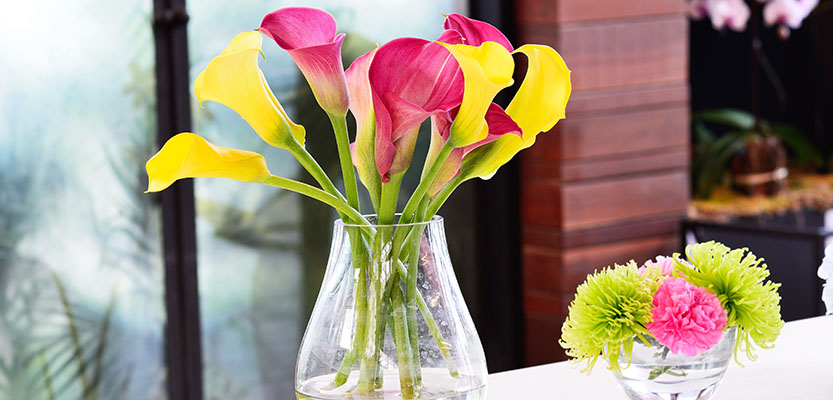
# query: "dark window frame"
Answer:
x=183 y=351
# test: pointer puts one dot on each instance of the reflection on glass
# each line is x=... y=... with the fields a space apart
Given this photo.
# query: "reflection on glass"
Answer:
x=262 y=252
x=81 y=301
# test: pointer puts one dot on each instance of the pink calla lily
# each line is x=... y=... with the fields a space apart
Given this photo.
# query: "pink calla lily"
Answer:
x=499 y=124
x=310 y=37
x=411 y=80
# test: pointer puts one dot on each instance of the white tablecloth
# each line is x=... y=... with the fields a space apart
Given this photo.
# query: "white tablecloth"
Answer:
x=800 y=367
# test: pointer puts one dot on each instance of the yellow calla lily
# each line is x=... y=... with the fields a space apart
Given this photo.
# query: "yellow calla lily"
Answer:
x=539 y=104
x=188 y=155
x=234 y=79
x=487 y=69
x=542 y=98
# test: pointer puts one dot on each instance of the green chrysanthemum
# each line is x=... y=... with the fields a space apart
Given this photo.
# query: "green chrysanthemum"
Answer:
x=738 y=278
x=610 y=308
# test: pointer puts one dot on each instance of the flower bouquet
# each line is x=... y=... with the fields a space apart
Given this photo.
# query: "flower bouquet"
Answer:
x=668 y=329
x=389 y=321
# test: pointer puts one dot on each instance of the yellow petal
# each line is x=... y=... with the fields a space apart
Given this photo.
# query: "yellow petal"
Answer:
x=487 y=69
x=537 y=107
x=234 y=79
x=188 y=155
x=542 y=97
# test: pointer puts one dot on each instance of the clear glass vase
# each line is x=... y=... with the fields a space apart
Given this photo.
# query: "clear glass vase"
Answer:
x=654 y=373
x=390 y=321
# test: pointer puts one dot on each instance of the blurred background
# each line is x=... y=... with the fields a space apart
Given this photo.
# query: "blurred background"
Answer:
x=689 y=120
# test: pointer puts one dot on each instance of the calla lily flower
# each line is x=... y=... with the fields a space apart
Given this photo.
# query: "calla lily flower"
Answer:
x=487 y=69
x=188 y=155
x=361 y=105
x=499 y=124
x=538 y=105
x=411 y=79
x=234 y=79
x=310 y=37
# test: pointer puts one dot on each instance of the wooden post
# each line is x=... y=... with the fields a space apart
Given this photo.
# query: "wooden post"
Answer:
x=611 y=181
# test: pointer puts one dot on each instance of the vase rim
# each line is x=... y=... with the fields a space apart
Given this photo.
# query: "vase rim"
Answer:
x=436 y=219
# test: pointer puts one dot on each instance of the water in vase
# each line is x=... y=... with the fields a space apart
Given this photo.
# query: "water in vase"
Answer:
x=696 y=381
x=654 y=373
x=437 y=385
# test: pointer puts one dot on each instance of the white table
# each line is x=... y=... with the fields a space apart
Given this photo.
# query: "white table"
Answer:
x=799 y=367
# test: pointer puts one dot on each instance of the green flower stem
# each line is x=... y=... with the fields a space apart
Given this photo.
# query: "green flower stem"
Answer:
x=408 y=383
x=338 y=203
x=432 y=325
x=442 y=196
x=390 y=196
x=348 y=214
x=380 y=341
x=399 y=324
x=369 y=368
x=411 y=289
x=370 y=374
x=425 y=182
x=346 y=159
x=361 y=318
x=314 y=169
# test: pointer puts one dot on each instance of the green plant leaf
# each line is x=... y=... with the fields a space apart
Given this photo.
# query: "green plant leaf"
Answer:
x=735 y=119
x=710 y=166
x=702 y=134
x=795 y=140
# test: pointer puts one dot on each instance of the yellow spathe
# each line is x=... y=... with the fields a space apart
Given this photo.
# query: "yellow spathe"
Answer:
x=234 y=79
x=487 y=69
x=539 y=104
x=541 y=100
x=188 y=155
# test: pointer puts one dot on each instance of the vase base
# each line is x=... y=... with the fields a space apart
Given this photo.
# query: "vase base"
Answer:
x=437 y=384
x=703 y=389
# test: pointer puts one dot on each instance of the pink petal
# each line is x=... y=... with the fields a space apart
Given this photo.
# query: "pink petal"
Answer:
x=451 y=36
x=499 y=124
x=359 y=86
x=309 y=35
x=686 y=318
x=361 y=104
x=299 y=27
x=475 y=32
x=411 y=79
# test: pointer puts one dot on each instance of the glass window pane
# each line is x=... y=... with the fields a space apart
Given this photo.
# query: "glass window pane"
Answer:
x=81 y=293
x=262 y=251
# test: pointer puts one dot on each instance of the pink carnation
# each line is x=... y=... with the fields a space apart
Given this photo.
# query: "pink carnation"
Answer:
x=666 y=264
x=687 y=318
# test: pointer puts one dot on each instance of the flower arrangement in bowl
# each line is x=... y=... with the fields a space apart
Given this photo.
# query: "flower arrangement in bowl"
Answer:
x=390 y=321
x=668 y=329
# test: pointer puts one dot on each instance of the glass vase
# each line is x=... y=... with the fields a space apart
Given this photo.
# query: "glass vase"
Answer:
x=390 y=321
x=654 y=373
